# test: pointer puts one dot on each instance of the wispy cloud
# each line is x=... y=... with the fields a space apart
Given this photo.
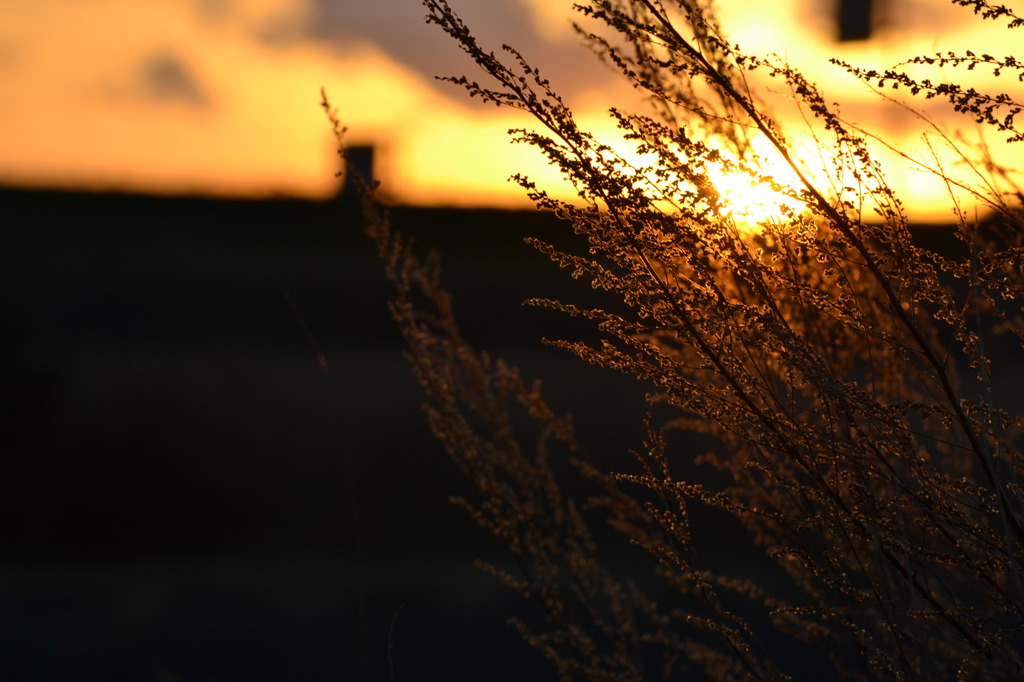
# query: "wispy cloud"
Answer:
x=168 y=79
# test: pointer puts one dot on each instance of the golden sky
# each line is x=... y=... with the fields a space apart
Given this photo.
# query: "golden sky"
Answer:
x=221 y=96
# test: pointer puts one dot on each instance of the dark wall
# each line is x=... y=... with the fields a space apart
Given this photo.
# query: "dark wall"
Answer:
x=180 y=487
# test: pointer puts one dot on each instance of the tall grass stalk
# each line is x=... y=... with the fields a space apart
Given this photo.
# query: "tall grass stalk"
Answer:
x=844 y=369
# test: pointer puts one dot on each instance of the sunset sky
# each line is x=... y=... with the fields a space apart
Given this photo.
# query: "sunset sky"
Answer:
x=221 y=96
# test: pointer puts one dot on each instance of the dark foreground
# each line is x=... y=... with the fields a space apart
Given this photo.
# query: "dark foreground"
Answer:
x=184 y=496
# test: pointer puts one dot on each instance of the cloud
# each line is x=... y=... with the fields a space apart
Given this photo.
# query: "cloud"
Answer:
x=167 y=79
x=272 y=22
x=398 y=28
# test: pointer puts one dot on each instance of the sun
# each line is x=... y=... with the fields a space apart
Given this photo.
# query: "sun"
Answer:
x=752 y=202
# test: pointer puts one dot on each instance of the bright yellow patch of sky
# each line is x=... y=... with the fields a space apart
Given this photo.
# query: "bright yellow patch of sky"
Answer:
x=174 y=96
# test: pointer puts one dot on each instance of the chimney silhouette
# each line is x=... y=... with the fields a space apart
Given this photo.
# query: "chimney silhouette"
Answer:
x=360 y=160
x=856 y=18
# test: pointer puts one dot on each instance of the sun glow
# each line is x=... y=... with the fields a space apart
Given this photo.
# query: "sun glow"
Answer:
x=752 y=202
x=761 y=190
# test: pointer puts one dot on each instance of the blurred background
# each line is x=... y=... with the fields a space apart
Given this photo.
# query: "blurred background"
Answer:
x=183 y=494
x=221 y=96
